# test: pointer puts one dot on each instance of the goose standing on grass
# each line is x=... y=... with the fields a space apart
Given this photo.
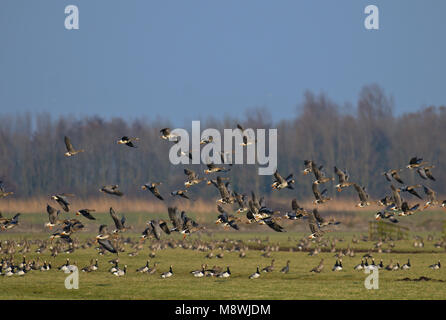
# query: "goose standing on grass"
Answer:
x=256 y=274
x=167 y=274
x=343 y=177
x=435 y=266
x=319 y=267
x=128 y=141
x=70 y=149
x=286 y=269
x=112 y=190
x=225 y=274
x=406 y=266
x=144 y=268
x=152 y=187
x=120 y=272
x=269 y=268
x=338 y=265
x=359 y=266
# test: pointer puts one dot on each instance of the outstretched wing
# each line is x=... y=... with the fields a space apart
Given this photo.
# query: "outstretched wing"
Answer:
x=68 y=144
x=117 y=222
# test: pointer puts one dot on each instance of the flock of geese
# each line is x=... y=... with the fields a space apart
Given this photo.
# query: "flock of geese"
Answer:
x=250 y=210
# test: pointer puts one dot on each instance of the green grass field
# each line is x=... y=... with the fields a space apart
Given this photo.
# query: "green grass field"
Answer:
x=298 y=284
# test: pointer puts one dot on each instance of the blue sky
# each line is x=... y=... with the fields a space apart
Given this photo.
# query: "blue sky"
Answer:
x=184 y=60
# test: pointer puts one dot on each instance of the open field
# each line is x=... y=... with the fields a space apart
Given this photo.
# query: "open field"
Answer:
x=298 y=284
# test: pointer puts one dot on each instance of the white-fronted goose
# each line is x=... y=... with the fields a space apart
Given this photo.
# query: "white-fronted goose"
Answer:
x=152 y=187
x=112 y=190
x=70 y=150
x=128 y=141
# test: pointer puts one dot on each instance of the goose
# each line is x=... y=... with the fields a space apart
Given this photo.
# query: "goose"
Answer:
x=10 y=223
x=431 y=197
x=338 y=265
x=152 y=187
x=297 y=211
x=167 y=135
x=226 y=197
x=406 y=266
x=425 y=173
x=86 y=213
x=319 y=196
x=380 y=265
x=62 y=200
x=144 y=268
x=407 y=211
x=316 y=231
x=396 y=197
x=393 y=174
x=286 y=269
x=70 y=149
x=202 y=269
x=167 y=274
x=199 y=273
x=180 y=193
x=269 y=221
x=435 y=266
x=128 y=141
x=65 y=265
x=412 y=190
x=343 y=177
x=120 y=272
x=212 y=168
x=443 y=204
x=103 y=239
x=386 y=201
x=112 y=190
x=415 y=162
x=269 y=268
x=3 y=193
x=153 y=269
x=256 y=274
x=363 y=196
x=192 y=178
x=119 y=223
x=228 y=220
x=225 y=274
x=359 y=266
x=385 y=214
x=396 y=266
x=323 y=222
x=155 y=227
x=241 y=201
x=282 y=183
x=308 y=167
x=319 y=175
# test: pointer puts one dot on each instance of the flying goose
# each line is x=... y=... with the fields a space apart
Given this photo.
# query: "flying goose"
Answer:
x=412 y=190
x=61 y=199
x=128 y=141
x=180 y=193
x=282 y=183
x=226 y=197
x=256 y=274
x=392 y=173
x=155 y=227
x=396 y=197
x=308 y=166
x=321 y=221
x=151 y=186
x=319 y=174
x=192 y=178
x=86 y=213
x=3 y=193
x=415 y=162
x=386 y=213
x=343 y=177
x=120 y=224
x=241 y=201
x=272 y=224
x=103 y=239
x=406 y=210
x=112 y=190
x=363 y=196
x=226 y=219
x=319 y=196
x=10 y=223
x=431 y=197
x=167 y=135
x=53 y=215
x=316 y=232
x=425 y=173
x=297 y=213
x=70 y=150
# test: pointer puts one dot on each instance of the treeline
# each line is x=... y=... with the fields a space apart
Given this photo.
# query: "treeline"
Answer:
x=366 y=139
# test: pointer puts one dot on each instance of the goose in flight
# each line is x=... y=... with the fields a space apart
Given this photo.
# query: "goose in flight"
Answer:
x=386 y=213
x=152 y=187
x=320 y=196
x=406 y=210
x=319 y=174
x=412 y=190
x=70 y=149
x=431 y=197
x=363 y=196
x=228 y=220
x=86 y=213
x=10 y=223
x=61 y=199
x=112 y=190
x=155 y=228
x=343 y=177
x=393 y=174
x=282 y=183
x=192 y=178
x=103 y=239
x=167 y=135
x=53 y=215
x=226 y=197
x=3 y=193
x=425 y=173
x=415 y=162
x=180 y=193
x=119 y=223
x=128 y=141
x=297 y=211
x=308 y=166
